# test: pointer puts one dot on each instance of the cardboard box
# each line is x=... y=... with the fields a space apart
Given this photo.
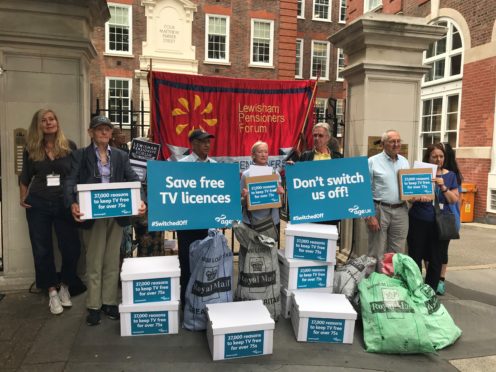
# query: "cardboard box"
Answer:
x=239 y=329
x=311 y=241
x=322 y=317
x=159 y=318
x=150 y=279
x=305 y=274
x=287 y=299
x=106 y=200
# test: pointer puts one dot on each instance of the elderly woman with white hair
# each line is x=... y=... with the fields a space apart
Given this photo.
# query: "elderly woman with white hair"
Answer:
x=260 y=156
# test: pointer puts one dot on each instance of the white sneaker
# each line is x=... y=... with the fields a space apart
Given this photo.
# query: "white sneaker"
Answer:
x=65 y=296
x=54 y=303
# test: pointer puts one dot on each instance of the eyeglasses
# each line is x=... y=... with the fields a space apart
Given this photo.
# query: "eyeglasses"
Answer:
x=394 y=142
x=318 y=135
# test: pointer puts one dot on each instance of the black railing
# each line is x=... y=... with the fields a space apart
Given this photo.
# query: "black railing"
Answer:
x=127 y=119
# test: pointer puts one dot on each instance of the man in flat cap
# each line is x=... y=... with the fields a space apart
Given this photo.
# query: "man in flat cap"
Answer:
x=100 y=163
x=200 y=147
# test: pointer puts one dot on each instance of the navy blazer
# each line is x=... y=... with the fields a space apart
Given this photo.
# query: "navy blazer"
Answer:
x=84 y=169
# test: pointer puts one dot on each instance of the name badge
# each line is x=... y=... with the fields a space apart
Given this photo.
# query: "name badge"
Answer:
x=53 y=180
x=441 y=206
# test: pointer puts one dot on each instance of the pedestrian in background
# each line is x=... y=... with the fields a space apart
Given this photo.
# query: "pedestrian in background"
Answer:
x=46 y=164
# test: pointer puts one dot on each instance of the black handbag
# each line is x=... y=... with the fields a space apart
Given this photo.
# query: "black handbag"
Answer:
x=445 y=223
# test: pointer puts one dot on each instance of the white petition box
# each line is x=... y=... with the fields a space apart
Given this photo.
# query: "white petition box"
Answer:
x=150 y=279
x=239 y=329
x=323 y=317
x=305 y=274
x=104 y=200
x=287 y=299
x=311 y=241
x=159 y=318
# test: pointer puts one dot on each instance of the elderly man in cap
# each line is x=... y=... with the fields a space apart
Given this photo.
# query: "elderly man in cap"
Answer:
x=200 y=147
x=100 y=163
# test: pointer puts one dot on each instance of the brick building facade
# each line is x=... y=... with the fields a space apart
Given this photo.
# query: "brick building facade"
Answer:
x=459 y=94
x=223 y=36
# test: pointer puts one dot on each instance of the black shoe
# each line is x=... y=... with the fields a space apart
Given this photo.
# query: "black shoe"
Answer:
x=112 y=311
x=93 y=317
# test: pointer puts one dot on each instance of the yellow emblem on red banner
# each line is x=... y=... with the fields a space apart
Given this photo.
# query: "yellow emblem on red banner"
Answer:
x=185 y=110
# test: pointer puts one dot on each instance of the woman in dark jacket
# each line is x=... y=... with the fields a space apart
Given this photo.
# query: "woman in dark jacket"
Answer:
x=46 y=163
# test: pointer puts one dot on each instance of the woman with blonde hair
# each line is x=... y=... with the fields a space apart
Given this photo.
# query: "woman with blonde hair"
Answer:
x=46 y=163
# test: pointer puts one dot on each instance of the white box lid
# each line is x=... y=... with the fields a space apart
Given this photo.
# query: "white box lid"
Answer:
x=108 y=186
x=137 y=268
x=323 y=305
x=243 y=316
x=150 y=306
x=296 y=262
x=313 y=230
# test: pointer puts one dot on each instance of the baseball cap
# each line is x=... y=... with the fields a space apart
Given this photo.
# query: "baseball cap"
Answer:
x=199 y=134
x=100 y=120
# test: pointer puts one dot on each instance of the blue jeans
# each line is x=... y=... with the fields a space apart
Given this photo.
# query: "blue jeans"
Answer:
x=42 y=215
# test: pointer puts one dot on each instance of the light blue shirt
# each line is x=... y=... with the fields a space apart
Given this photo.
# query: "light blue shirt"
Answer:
x=384 y=177
x=103 y=169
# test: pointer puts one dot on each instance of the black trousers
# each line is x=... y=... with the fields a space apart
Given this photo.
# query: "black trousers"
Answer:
x=184 y=240
x=42 y=215
x=423 y=244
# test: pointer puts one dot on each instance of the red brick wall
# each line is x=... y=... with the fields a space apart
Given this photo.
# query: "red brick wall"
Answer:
x=287 y=38
x=117 y=66
x=477 y=108
x=391 y=6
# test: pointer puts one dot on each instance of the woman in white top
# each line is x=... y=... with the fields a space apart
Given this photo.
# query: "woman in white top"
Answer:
x=260 y=156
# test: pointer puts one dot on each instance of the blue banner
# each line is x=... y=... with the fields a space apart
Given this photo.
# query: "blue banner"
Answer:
x=329 y=190
x=150 y=323
x=261 y=193
x=312 y=277
x=308 y=248
x=325 y=330
x=417 y=184
x=151 y=290
x=111 y=203
x=243 y=344
x=186 y=196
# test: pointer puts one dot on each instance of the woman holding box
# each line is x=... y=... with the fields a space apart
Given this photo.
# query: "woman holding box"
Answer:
x=423 y=241
x=46 y=163
x=100 y=163
x=260 y=156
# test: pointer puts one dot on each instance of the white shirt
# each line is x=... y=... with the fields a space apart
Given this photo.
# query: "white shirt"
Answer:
x=384 y=177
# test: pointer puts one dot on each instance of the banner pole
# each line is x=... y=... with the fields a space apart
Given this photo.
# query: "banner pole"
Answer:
x=303 y=129
x=150 y=97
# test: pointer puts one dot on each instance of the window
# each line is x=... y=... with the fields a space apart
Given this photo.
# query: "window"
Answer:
x=440 y=116
x=301 y=9
x=342 y=11
x=321 y=10
x=320 y=110
x=371 y=5
x=320 y=59
x=441 y=89
x=118 y=95
x=299 y=59
x=339 y=64
x=217 y=38
x=445 y=55
x=262 y=35
x=118 y=30
x=340 y=116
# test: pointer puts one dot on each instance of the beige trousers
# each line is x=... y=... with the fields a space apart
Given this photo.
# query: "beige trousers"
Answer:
x=102 y=243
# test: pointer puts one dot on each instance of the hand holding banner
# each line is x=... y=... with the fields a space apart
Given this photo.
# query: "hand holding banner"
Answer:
x=329 y=190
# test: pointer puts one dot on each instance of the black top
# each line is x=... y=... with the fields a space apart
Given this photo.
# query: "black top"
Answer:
x=34 y=174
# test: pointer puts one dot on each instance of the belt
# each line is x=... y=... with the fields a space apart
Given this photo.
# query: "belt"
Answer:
x=399 y=205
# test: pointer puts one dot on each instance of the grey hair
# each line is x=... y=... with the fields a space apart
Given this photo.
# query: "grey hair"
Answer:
x=385 y=135
x=256 y=146
x=323 y=125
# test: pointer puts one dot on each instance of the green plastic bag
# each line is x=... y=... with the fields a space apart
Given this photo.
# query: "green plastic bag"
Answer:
x=391 y=321
x=441 y=328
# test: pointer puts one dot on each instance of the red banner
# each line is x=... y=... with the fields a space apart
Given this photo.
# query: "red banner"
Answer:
x=238 y=112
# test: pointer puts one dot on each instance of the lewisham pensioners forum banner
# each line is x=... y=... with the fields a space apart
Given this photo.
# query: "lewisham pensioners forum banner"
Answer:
x=238 y=112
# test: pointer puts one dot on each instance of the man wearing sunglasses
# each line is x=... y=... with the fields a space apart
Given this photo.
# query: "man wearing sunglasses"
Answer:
x=100 y=163
x=388 y=229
